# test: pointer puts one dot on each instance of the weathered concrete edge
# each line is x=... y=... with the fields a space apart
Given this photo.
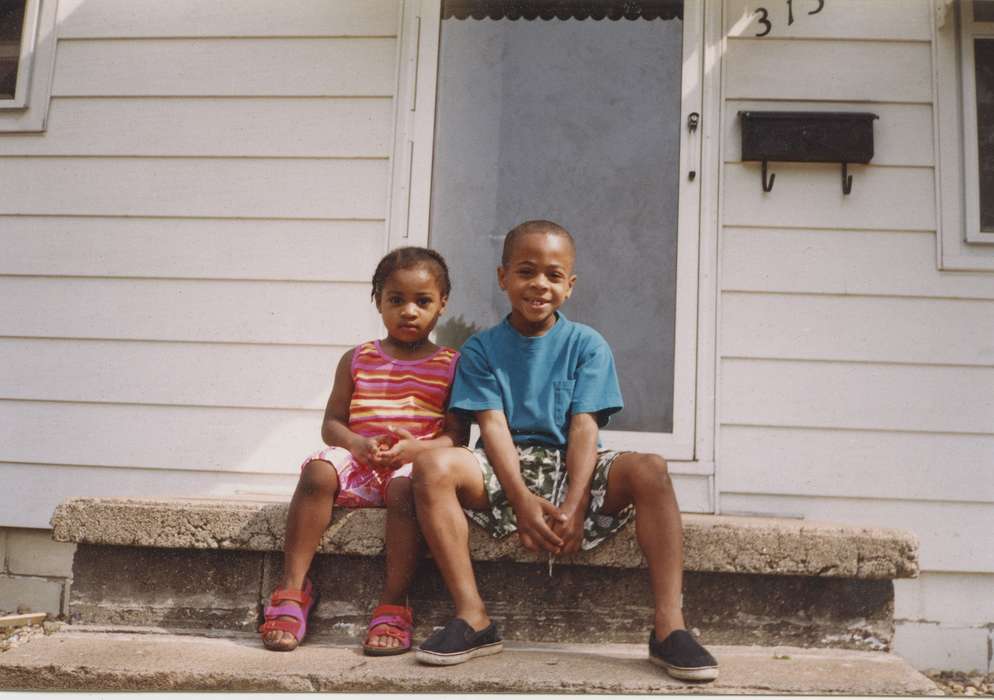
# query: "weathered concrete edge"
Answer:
x=84 y=678
x=727 y=544
x=134 y=662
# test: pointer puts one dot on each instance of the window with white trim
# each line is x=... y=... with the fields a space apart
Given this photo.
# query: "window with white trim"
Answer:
x=977 y=46
x=11 y=29
x=27 y=53
x=964 y=115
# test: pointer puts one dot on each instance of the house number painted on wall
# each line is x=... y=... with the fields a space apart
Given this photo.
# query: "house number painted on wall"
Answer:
x=764 y=15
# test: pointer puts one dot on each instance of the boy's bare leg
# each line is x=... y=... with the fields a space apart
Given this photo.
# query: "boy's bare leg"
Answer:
x=643 y=480
x=307 y=519
x=403 y=546
x=446 y=480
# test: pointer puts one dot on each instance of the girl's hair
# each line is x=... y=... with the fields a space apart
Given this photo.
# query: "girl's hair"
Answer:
x=404 y=259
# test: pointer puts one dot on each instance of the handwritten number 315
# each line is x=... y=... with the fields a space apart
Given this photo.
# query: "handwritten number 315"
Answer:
x=764 y=15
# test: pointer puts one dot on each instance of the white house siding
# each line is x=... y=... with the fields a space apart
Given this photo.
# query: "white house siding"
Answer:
x=187 y=248
x=855 y=380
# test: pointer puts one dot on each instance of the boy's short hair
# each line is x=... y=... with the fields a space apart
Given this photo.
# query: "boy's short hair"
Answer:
x=533 y=226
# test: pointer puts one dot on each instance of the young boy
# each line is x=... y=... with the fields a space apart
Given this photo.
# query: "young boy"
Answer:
x=540 y=386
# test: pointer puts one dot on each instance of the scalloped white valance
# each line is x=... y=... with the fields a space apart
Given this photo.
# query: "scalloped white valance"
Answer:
x=562 y=9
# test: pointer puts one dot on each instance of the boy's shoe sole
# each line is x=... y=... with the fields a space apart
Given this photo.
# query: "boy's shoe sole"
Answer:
x=457 y=642
x=683 y=657
x=707 y=673
x=451 y=659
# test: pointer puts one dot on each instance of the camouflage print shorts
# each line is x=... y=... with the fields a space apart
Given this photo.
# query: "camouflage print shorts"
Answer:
x=544 y=472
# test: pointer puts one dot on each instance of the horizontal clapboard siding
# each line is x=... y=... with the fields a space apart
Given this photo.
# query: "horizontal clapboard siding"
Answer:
x=128 y=19
x=856 y=380
x=220 y=67
x=952 y=536
x=239 y=127
x=32 y=491
x=900 y=20
x=870 y=463
x=831 y=395
x=861 y=329
x=247 y=249
x=185 y=187
x=853 y=71
x=232 y=374
x=879 y=263
x=809 y=195
x=188 y=246
x=187 y=310
x=953 y=598
x=159 y=437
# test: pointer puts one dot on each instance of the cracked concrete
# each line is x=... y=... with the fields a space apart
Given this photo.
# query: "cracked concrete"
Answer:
x=119 y=660
x=731 y=544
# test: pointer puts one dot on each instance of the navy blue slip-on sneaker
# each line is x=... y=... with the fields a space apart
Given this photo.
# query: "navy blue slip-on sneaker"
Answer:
x=458 y=642
x=682 y=657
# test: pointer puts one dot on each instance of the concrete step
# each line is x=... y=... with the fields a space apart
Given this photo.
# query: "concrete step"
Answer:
x=91 y=659
x=748 y=580
x=721 y=544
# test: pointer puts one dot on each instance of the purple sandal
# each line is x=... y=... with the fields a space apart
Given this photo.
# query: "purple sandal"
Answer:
x=398 y=623
x=298 y=625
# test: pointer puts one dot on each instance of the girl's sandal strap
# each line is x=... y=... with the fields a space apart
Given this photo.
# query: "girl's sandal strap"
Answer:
x=396 y=625
x=291 y=626
x=302 y=598
x=401 y=611
x=280 y=607
x=388 y=630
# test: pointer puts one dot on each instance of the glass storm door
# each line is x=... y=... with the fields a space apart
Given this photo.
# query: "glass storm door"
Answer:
x=579 y=112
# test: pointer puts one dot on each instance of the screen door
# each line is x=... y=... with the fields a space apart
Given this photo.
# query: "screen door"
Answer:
x=579 y=112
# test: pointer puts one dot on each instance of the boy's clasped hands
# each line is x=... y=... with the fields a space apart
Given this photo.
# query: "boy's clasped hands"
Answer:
x=544 y=527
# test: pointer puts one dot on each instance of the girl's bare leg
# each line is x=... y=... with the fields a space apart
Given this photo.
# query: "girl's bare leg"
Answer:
x=403 y=545
x=444 y=481
x=643 y=479
x=307 y=519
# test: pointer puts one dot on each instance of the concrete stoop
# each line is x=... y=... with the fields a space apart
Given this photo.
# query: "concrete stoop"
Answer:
x=194 y=564
x=155 y=660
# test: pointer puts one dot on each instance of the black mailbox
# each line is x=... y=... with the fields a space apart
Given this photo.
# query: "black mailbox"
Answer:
x=808 y=137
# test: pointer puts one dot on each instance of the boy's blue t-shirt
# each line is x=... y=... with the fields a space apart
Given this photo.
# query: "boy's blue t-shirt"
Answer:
x=539 y=382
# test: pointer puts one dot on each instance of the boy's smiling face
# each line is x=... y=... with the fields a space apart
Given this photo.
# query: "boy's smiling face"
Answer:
x=537 y=278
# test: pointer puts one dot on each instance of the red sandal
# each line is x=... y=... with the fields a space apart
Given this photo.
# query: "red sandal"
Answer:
x=397 y=622
x=298 y=626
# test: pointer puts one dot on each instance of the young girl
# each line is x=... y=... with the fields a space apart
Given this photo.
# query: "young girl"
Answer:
x=387 y=404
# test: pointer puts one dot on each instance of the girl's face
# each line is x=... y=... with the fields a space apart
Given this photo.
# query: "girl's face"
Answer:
x=410 y=304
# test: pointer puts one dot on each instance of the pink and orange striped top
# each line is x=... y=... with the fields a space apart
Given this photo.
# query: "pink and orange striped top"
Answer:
x=409 y=394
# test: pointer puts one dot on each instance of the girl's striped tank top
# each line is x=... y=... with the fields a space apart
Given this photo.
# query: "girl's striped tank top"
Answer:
x=409 y=394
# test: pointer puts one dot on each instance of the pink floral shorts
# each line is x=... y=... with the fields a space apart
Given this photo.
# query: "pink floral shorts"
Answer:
x=359 y=486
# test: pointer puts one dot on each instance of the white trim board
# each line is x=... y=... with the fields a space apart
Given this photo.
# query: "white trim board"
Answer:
x=28 y=111
x=39 y=488
x=953 y=252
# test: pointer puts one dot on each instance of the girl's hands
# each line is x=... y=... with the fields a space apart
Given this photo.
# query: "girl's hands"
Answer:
x=367 y=450
x=533 y=514
x=389 y=451
x=398 y=449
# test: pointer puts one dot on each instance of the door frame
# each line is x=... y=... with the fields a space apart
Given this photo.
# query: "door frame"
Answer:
x=691 y=451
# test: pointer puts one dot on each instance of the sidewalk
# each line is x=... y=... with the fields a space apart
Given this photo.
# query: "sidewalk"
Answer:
x=152 y=660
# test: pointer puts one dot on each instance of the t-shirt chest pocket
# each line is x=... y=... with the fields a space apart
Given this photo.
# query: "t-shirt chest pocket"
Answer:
x=563 y=391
